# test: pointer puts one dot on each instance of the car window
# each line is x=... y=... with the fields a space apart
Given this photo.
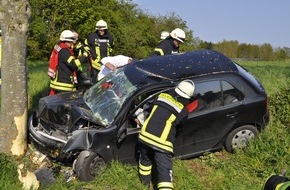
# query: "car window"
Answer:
x=230 y=93
x=105 y=99
x=208 y=94
x=211 y=94
x=141 y=107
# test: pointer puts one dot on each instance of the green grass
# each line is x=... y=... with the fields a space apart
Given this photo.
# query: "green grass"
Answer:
x=246 y=169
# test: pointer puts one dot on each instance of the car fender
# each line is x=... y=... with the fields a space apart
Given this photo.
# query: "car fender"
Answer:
x=94 y=140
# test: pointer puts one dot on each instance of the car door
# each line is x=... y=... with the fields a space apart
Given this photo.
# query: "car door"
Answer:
x=127 y=143
x=206 y=127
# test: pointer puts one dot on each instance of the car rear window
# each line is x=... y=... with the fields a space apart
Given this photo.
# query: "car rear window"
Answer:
x=250 y=77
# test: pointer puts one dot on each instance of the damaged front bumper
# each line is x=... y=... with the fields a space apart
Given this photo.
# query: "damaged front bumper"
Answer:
x=44 y=142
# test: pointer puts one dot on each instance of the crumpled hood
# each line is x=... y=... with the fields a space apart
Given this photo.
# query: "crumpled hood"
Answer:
x=62 y=111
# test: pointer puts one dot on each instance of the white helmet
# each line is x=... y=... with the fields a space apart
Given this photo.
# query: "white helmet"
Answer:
x=101 y=25
x=185 y=89
x=178 y=34
x=67 y=36
x=164 y=34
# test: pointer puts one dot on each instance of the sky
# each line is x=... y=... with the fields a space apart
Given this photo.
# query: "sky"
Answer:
x=247 y=21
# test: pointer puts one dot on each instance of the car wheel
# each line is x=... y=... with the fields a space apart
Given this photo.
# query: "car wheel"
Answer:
x=88 y=165
x=240 y=137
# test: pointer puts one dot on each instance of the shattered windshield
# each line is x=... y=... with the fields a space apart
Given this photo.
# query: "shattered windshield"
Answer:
x=106 y=97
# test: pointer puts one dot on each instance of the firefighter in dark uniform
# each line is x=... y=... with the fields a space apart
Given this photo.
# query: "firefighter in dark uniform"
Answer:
x=67 y=64
x=277 y=182
x=158 y=133
x=101 y=45
x=170 y=45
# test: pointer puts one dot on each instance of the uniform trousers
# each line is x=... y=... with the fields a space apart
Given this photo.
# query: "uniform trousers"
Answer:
x=163 y=163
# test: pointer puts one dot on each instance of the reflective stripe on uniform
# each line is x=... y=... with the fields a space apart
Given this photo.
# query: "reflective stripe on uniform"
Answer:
x=78 y=63
x=159 y=50
x=161 y=141
x=70 y=59
x=165 y=185
x=144 y=170
x=283 y=186
x=61 y=86
x=97 y=65
x=167 y=127
x=170 y=101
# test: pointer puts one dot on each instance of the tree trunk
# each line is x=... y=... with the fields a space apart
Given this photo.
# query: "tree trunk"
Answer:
x=14 y=19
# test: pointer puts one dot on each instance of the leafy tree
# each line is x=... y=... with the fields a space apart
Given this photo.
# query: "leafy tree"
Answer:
x=229 y=48
x=136 y=33
x=243 y=51
x=13 y=126
x=280 y=54
x=266 y=52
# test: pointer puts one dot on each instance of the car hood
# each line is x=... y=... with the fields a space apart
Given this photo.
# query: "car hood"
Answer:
x=62 y=111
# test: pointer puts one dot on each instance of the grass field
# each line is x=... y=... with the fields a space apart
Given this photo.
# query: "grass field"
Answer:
x=245 y=170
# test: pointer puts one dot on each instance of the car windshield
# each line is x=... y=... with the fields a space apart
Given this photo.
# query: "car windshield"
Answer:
x=106 y=97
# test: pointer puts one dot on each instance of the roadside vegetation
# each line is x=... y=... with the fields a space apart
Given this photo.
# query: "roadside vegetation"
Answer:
x=135 y=31
x=247 y=169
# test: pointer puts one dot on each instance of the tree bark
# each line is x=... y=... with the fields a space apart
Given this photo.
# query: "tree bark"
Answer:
x=14 y=18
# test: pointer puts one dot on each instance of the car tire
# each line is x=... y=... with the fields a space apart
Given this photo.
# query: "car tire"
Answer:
x=88 y=165
x=240 y=137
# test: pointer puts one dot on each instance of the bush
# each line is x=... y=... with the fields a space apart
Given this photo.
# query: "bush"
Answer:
x=279 y=105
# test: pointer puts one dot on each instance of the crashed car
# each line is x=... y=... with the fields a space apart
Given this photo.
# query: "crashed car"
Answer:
x=88 y=129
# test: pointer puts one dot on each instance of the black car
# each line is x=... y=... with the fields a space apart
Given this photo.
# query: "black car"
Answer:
x=87 y=129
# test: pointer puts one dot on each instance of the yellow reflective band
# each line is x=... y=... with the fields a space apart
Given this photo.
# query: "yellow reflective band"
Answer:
x=159 y=50
x=168 y=126
x=168 y=146
x=145 y=170
x=283 y=186
x=70 y=59
x=165 y=185
x=154 y=140
x=98 y=53
x=86 y=42
x=170 y=101
x=143 y=129
x=78 y=63
x=278 y=186
x=61 y=86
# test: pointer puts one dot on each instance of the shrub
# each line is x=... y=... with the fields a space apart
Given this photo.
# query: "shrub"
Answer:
x=279 y=105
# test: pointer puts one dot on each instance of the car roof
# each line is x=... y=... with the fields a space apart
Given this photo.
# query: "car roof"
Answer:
x=179 y=66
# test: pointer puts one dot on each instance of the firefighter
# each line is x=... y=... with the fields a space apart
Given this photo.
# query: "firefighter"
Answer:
x=163 y=35
x=101 y=45
x=277 y=182
x=66 y=64
x=170 y=44
x=158 y=133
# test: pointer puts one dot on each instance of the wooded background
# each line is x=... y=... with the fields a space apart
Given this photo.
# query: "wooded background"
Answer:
x=136 y=32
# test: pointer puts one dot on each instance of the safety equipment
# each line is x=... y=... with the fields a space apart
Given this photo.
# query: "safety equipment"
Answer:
x=101 y=25
x=178 y=34
x=67 y=36
x=185 y=89
x=277 y=182
x=164 y=35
